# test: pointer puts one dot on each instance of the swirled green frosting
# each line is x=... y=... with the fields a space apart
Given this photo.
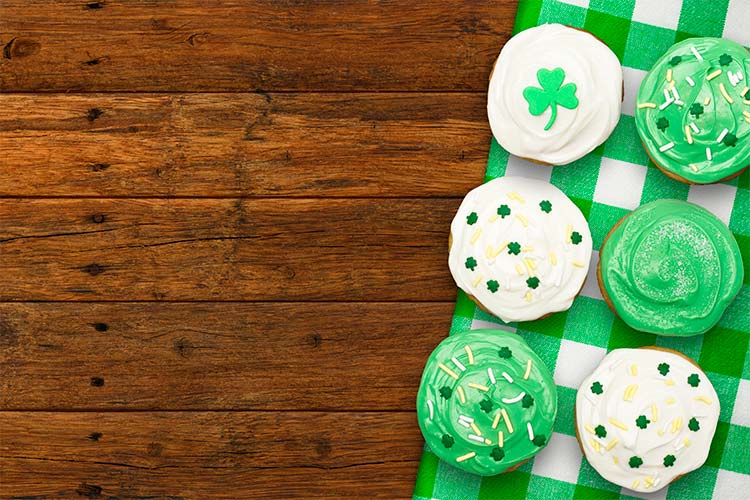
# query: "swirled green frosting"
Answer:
x=486 y=401
x=671 y=268
x=699 y=131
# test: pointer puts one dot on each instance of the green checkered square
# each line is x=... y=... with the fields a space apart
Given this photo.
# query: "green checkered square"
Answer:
x=658 y=186
x=563 y=13
x=619 y=8
x=610 y=29
x=589 y=322
x=621 y=145
x=704 y=18
x=646 y=44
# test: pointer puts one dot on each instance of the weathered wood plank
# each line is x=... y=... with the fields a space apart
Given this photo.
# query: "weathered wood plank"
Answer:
x=208 y=455
x=184 y=45
x=208 y=249
x=294 y=356
x=242 y=144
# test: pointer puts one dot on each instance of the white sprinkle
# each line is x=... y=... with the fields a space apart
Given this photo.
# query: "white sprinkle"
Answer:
x=476 y=438
x=464 y=423
x=466 y=419
x=688 y=135
x=667 y=97
x=432 y=409
x=722 y=135
x=492 y=375
x=695 y=53
x=666 y=147
x=675 y=94
x=732 y=79
x=516 y=399
x=678 y=444
x=694 y=127
x=458 y=364
x=709 y=156
x=679 y=103
x=559 y=279
x=690 y=81
x=507 y=377
x=667 y=103
x=531 y=431
x=740 y=77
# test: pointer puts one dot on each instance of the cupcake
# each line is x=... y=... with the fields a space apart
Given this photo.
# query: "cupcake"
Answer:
x=486 y=402
x=670 y=268
x=519 y=248
x=554 y=95
x=693 y=111
x=645 y=417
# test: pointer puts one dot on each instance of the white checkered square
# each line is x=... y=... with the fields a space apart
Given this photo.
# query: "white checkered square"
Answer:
x=480 y=324
x=741 y=412
x=579 y=3
x=591 y=285
x=632 y=79
x=664 y=13
x=716 y=198
x=576 y=361
x=524 y=168
x=736 y=27
x=620 y=184
x=560 y=459
x=731 y=485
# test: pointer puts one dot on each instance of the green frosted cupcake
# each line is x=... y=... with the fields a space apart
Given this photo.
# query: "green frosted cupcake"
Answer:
x=670 y=268
x=486 y=402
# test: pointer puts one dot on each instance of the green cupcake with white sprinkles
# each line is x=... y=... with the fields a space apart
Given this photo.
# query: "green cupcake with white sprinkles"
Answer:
x=693 y=111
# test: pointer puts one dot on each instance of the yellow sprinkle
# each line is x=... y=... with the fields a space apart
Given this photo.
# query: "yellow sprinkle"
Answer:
x=630 y=391
x=594 y=445
x=614 y=459
x=746 y=113
x=617 y=423
x=461 y=394
x=746 y=103
x=528 y=297
x=688 y=134
x=578 y=263
x=669 y=381
x=527 y=249
x=470 y=354
x=528 y=263
x=671 y=85
x=703 y=399
x=589 y=429
x=487 y=442
x=523 y=220
x=475 y=429
x=493 y=218
x=693 y=167
x=723 y=91
x=707 y=101
x=660 y=432
x=635 y=484
x=478 y=387
x=488 y=252
x=447 y=370
x=528 y=370
x=634 y=370
x=612 y=444
x=531 y=263
x=686 y=441
x=519 y=269
x=744 y=91
x=502 y=247
x=500 y=439
x=507 y=420
x=676 y=424
x=469 y=455
x=747 y=119
x=568 y=233
x=649 y=481
x=654 y=413
x=553 y=258
x=477 y=280
x=515 y=196
x=476 y=235
x=713 y=75
x=646 y=105
x=494 y=422
x=669 y=75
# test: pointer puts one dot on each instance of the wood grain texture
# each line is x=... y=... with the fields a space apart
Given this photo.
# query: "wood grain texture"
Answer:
x=208 y=455
x=219 y=145
x=295 y=356
x=265 y=249
x=191 y=45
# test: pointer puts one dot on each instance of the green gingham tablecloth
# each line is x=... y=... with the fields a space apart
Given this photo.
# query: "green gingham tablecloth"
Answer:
x=607 y=184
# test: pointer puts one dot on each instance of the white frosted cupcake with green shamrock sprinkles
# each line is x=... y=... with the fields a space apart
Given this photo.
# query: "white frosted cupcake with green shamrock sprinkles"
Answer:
x=693 y=111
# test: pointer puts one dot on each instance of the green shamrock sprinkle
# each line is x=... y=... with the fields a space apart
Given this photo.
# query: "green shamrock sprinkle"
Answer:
x=662 y=123
x=446 y=392
x=533 y=282
x=514 y=248
x=539 y=440
x=663 y=368
x=696 y=109
x=730 y=140
x=448 y=440
x=725 y=59
x=693 y=425
x=492 y=286
x=694 y=380
x=576 y=237
x=669 y=460
x=503 y=211
x=600 y=431
x=552 y=94
x=486 y=405
x=597 y=388
x=504 y=352
x=472 y=218
x=642 y=421
x=635 y=462
x=471 y=263
x=675 y=60
x=527 y=401
x=546 y=206
x=497 y=454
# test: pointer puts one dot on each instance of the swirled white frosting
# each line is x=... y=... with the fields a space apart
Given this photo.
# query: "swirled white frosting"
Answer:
x=587 y=62
x=655 y=406
x=555 y=248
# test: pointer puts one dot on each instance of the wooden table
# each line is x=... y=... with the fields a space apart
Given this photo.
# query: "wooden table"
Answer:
x=223 y=232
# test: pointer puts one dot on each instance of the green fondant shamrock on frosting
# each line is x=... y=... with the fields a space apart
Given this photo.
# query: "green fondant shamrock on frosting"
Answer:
x=552 y=94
